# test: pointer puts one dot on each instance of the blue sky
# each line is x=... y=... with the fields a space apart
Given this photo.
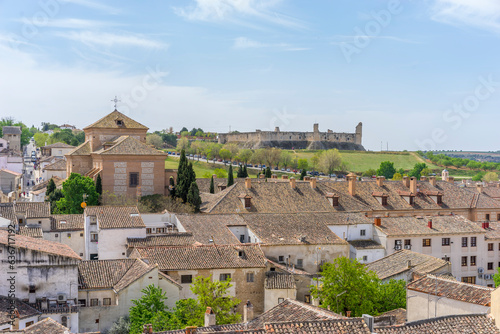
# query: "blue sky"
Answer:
x=418 y=74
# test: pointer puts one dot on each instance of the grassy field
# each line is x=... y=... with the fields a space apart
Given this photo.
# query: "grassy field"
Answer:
x=362 y=161
x=202 y=168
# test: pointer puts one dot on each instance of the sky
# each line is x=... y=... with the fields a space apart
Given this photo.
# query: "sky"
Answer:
x=418 y=74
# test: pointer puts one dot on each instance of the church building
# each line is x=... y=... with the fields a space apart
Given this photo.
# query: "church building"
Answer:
x=115 y=147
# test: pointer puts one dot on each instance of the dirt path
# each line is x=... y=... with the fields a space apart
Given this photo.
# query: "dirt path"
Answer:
x=418 y=157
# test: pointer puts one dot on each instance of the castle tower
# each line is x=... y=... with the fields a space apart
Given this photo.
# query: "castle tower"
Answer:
x=359 y=133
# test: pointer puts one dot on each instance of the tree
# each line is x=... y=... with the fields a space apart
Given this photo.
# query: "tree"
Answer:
x=98 y=184
x=268 y=172
x=490 y=177
x=302 y=164
x=397 y=177
x=303 y=174
x=185 y=176
x=240 y=173
x=272 y=156
x=230 y=176
x=120 y=326
x=245 y=155
x=496 y=278
x=286 y=158
x=41 y=138
x=425 y=172
x=314 y=161
x=212 y=187
x=51 y=187
x=225 y=154
x=73 y=190
x=330 y=161
x=392 y=295
x=182 y=144
x=417 y=170
x=214 y=294
x=193 y=196
x=146 y=308
x=245 y=172
x=54 y=196
x=349 y=284
x=155 y=140
x=171 y=183
x=479 y=176
x=187 y=312
x=386 y=169
x=370 y=172
x=197 y=147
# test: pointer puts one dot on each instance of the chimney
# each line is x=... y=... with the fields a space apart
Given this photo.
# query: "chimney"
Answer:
x=479 y=187
x=413 y=185
x=293 y=183
x=274 y=176
x=408 y=264
x=451 y=179
x=406 y=181
x=485 y=225
x=284 y=177
x=262 y=176
x=351 y=179
x=423 y=178
x=209 y=317
x=432 y=180
x=429 y=223
x=377 y=221
x=247 y=312
x=191 y=329
x=313 y=182
x=307 y=178
x=369 y=321
x=147 y=329
x=214 y=176
x=248 y=183
x=348 y=314
x=15 y=324
x=380 y=180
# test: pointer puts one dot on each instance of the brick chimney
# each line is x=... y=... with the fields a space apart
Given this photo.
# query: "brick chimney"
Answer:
x=351 y=179
x=248 y=183
x=377 y=221
x=451 y=179
x=432 y=180
x=209 y=317
x=313 y=182
x=284 y=177
x=147 y=329
x=214 y=176
x=307 y=178
x=262 y=176
x=423 y=178
x=191 y=329
x=380 y=180
x=429 y=223
x=293 y=183
x=274 y=176
x=413 y=185
x=247 y=312
x=479 y=187
x=406 y=181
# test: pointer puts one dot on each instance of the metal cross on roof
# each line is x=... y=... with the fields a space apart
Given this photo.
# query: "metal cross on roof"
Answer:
x=115 y=100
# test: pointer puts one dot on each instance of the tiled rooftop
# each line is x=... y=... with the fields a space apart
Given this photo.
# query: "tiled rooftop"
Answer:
x=45 y=326
x=83 y=149
x=468 y=293
x=33 y=209
x=170 y=239
x=207 y=227
x=39 y=245
x=277 y=280
x=43 y=185
x=58 y=165
x=493 y=232
x=109 y=122
x=110 y=274
x=73 y=222
x=25 y=311
x=463 y=324
x=340 y=326
x=58 y=145
x=125 y=145
x=202 y=257
x=397 y=263
x=33 y=232
x=111 y=217
x=11 y=130
x=365 y=244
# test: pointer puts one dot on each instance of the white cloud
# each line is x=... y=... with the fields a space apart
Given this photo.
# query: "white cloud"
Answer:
x=237 y=11
x=72 y=23
x=95 y=5
x=109 y=39
x=350 y=38
x=246 y=43
x=483 y=14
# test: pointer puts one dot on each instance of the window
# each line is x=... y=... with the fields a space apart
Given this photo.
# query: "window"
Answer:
x=445 y=241
x=307 y=299
x=39 y=222
x=81 y=254
x=94 y=237
x=281 y=258
x=224 y=277
x=242 y=238
x=470 y=279
x=362 y=232
x=82 y=302
x=300 y=263
x=490 y=265
x=365 y=258
x=241 y=254
x=498 y=216
x=81 y=234
x=464 y=241
x=134 y=179
x=397 y=244
x=487 y=216
x=94 y=302
x=426 y=242
x=490 y=247
x=280 y=300
x=446 y=258
x=250 y=277
x=96 y=321
x=473 y=241
x=94 y=256
x=384 y=200
x=64 y=321
x=32 y=288
x=148 y=230
x=106 y=301
x=160 y=230
x=29 y=323
x=186 y=279
x=407 y=243
x=464 y=261
x=119 y=122
x=472 y=260
x=56 y=235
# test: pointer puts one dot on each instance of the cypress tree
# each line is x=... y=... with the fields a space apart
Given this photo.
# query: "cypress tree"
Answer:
x=172 y=186
x=230 y=176
x=212 y=187
x=193 y=197
x=245 y=172
x=240 y=174
x=268 y=172
x=303 y=174
x=183 y=177
x=50 y=187
x=98 y=184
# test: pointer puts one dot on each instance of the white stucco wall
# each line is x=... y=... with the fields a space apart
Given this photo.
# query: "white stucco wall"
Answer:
x=272 y=296
x=421 y=306
x=112 y=242
x=352 y=232
x=76 y=240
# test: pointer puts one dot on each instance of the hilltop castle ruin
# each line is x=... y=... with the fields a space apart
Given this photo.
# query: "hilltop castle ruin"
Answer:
x=315 y=140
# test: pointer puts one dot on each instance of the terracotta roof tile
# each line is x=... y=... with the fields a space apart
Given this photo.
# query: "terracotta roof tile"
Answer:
x=59 y=164
x=202 y=257
x=83 y=149
x=73 y=222
x=33 y=209
x=170 y=239
x=128 y=145
x=25 y=311
x=207 y=227
x=43 y=185
x=39 y=245
x=109 y=122
x=110 y=274
x=11 y=130
x=45 y=326
x=340 y=326
x=58 y=145
x=365 y=244
x=109 y=217
x=471 y=324
x=277 y=280
x=397 y=263
x=33 y=232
